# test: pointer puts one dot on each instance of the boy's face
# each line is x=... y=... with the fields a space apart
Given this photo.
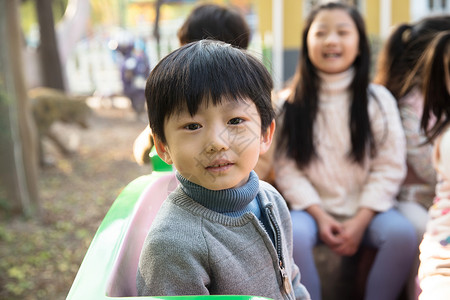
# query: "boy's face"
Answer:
x=218 y=146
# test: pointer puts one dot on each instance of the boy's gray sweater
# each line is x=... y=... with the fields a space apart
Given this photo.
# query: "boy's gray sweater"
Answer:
x=192 y=250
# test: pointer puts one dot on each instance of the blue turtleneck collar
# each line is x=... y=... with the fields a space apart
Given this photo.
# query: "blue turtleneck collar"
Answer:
x=222 y=201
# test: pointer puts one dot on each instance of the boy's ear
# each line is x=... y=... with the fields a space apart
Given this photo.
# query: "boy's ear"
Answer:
x=162 y=150
x=266 y=138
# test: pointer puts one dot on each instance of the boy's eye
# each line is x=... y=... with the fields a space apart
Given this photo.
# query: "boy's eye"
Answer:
x=235 y=121
x=193 y=126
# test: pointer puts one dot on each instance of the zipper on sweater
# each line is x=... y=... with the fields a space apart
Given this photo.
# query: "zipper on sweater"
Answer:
x=276 y=230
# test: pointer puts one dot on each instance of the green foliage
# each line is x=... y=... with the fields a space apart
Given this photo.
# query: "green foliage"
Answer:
x=4 y=203
x=5 y=235
x=4 y=115
x=6 y=146
x=28 y=14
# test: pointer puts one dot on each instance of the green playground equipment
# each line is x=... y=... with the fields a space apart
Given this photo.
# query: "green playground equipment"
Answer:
x=109 y=268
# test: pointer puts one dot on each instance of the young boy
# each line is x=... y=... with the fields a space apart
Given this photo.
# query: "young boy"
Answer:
x=206 y=21
x=222 y=231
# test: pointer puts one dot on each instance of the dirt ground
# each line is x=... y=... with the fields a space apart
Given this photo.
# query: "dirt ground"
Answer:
x=39 y=259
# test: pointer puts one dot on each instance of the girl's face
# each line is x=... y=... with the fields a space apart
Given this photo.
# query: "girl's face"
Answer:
x=332 y=41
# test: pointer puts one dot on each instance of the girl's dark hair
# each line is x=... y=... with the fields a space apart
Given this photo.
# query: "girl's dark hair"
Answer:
x=402 y=51
x=300 y=109
x=435 y=63
x=212 y=21
x=209 y=71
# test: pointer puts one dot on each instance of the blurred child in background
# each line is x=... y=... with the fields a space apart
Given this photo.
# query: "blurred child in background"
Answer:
x=434 y=271
x=398 y=58
x=341 y=155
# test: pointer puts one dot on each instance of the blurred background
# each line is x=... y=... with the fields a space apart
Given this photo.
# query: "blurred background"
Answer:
x=68 y=121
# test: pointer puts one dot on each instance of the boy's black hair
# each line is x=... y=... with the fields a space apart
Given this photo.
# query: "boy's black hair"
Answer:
x=217 y=22
x=300 y=110
x=210 y=71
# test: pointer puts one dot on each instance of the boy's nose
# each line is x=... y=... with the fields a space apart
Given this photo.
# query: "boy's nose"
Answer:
x=215 y=147
x=217 y=141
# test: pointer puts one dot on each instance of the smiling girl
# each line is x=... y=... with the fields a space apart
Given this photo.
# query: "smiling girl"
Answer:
x=342 y=155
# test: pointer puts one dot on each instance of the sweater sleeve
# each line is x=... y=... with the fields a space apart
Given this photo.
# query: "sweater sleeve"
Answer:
x=388 y=167
x=296 y=189
x=418 y=156
x=444 y=156
x=434 y=271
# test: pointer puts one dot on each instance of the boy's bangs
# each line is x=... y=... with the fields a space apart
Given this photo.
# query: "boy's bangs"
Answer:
x=215 y=77
x=208 y=71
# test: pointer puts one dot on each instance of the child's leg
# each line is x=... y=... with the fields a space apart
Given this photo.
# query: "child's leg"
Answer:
x=305 y=238
x=418 y=216
x=395 y=238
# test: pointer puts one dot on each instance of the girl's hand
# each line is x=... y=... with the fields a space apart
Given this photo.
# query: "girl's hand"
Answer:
x=351 y=236
x=330 y=229
x=353 y=232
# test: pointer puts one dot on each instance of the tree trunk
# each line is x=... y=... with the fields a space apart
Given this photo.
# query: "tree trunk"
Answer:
x=156 y=33
x=18 y=144
x=50 y=60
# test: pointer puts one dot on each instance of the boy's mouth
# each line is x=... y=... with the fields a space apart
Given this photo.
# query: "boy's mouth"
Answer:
x=219 y=166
